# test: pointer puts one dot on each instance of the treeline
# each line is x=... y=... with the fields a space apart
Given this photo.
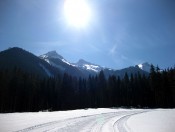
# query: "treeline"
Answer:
x=22 y=92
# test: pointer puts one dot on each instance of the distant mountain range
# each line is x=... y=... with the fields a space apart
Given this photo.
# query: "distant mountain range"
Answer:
x=51 y=64
x=84 y=68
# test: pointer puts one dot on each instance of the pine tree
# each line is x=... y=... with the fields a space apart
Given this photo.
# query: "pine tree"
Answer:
x=101 y=85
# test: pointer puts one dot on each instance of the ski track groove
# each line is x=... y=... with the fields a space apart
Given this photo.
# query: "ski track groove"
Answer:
x=120 y=124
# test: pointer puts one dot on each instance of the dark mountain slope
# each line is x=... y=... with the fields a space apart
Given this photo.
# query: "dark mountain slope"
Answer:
x=19 y=58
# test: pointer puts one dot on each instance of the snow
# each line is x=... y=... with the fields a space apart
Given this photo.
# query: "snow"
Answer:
x=91 y=67
x=145 y=66
x=43 y=56
x=94 y=120
x=140 y=66
x=53 y=54
x=19 y=121
x=47 y=60
x=160 y=120
x=87 y=65
x=65 y=61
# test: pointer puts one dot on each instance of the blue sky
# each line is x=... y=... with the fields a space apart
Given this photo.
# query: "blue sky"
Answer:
x=120 y=33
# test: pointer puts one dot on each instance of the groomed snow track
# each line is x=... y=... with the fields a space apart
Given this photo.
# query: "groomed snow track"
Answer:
x=105 y=122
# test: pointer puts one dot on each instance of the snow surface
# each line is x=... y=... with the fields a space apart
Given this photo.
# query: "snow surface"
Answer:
x=159 y=120
x=19 y=121
x=91 y=120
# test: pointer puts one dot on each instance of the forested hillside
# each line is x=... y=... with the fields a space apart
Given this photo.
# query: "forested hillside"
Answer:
x=21 y=91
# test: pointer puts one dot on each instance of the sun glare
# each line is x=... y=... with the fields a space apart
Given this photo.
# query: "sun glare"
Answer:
x=77 y=12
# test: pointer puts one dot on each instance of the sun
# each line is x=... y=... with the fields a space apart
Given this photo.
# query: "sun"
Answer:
x=77 y=12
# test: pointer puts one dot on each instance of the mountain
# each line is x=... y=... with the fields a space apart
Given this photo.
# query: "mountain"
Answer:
x=88 y=68
x=83 y=68
x=131 y=70
x=82 y=64
x=19 y=58
x=52 y=54
x=52 y=64
x=57 y=61
x=145 y=66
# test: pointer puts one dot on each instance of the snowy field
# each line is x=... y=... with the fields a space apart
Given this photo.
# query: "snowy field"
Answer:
x=91 y=120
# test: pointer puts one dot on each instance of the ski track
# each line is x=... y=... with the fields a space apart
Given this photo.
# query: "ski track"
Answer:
x=106 y=122
x=121 y=124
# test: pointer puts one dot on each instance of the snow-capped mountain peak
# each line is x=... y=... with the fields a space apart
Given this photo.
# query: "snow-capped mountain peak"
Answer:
x=145 y=66
x=82 y=62
x=52 y=54
x=82 y=67
x=88 y=66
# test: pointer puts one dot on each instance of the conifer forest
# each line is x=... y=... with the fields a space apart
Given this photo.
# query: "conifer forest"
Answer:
x=23 y=92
